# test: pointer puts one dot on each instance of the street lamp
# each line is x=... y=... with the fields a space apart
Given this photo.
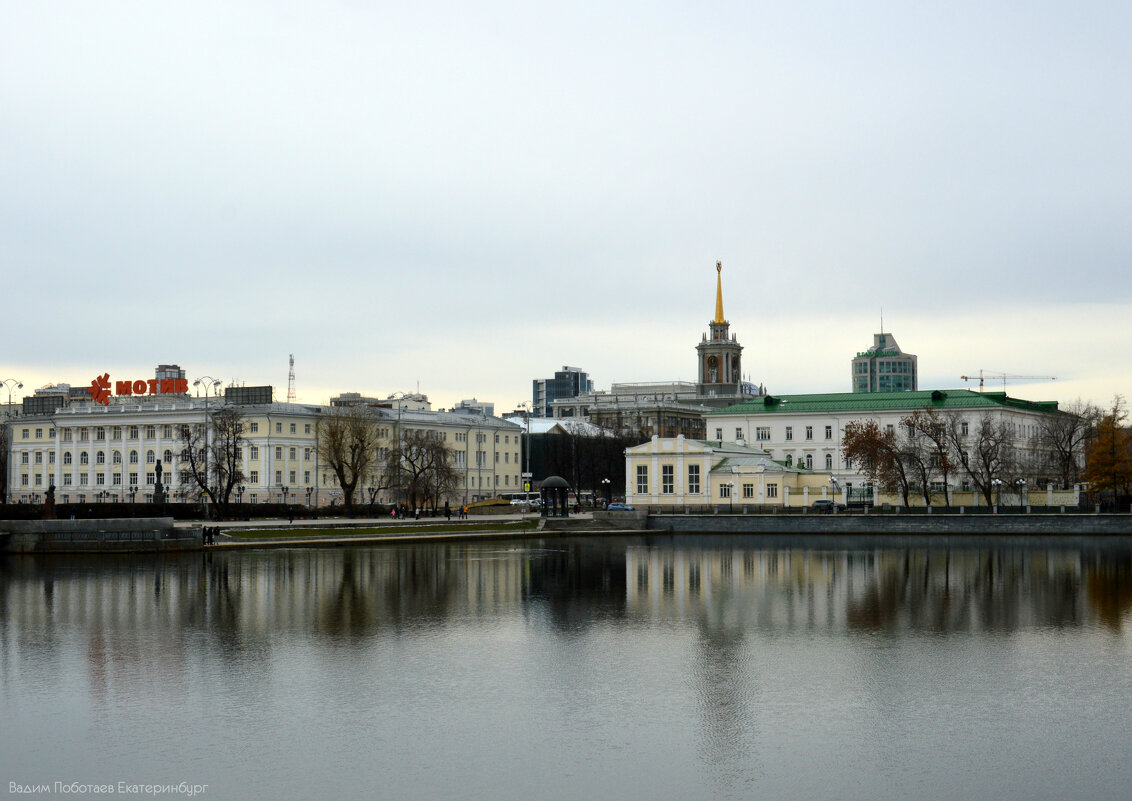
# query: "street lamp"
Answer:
x=208 y=382
x=730 y=496
x=1021 y=484
x=605 y=482
x=835 y=489
x=9 y=382
x=996 y=484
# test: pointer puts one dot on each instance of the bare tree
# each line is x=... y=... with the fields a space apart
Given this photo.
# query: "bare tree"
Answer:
x=931 y=428
x=347 y=445
x=1062 y=439
x=421 y=468
x=985 y=455
x=212 y=452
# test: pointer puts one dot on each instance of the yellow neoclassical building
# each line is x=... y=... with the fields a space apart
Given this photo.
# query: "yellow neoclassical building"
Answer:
x=681 y=472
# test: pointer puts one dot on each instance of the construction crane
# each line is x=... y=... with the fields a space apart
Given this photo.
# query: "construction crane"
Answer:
x=1004 y=376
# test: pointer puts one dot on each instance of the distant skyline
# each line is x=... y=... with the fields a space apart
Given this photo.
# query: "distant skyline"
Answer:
x=470 y=197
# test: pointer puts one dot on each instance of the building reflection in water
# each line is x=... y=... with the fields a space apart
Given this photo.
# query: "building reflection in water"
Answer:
x=142 y=610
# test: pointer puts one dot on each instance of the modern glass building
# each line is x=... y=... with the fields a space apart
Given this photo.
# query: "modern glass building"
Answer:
x=884 y=368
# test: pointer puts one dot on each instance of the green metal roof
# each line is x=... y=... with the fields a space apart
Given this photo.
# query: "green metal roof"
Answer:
x=865 y=402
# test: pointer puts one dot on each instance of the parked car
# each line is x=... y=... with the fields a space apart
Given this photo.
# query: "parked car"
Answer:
x=826 y=506
x=620 y=507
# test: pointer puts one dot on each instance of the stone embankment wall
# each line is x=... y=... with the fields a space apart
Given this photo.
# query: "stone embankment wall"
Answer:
x=1038 y=524
x=96 y=536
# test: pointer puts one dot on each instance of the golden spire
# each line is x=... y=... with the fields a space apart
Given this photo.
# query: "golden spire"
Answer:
x=719 y=292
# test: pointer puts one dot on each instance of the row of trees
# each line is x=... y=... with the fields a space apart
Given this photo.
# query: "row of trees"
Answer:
x=590 y=460
x=1081 y=443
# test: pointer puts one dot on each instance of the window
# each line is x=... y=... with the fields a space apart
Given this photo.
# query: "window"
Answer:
x=738 y=434
x=254 y=452
x=829 y=461
x=100 y=478
x=133 y=479
x=292 y=428
x=694 y=479
x=117 y=457
x=278 y=428
x=150 y=457
x=66 y=479
x=116 y=432
x=24 y=457
x=83 y=478
x=829 y=432
x=789 y=433
x=292 y=476
x=25 y=433
x=39 y=433
x=118 y=478
x=150 y=432
x=666 y=479
x=84 y=458
x=762 y=433
x=809 y=432
x=964 y=429
x=719 y=434
x=253 y=477
x=890 y=429
x=748 y=490
x=307 y=428
x=84 y=435
x=167 y=457
x=724 y=490
x=642 y=479
x=67 y=458
x=278 y=452
x=306 y=476
x=100 y=457
x=291 y=454
x=306 y=454
x=133 y=457
x=51 y=457
x=809 y=461
x=167 y=431
x=39 y=479
x=150 y=478
x=39 y=457
x=255 y=428
x=278 y=476
x=772 y=490
x=133 y=432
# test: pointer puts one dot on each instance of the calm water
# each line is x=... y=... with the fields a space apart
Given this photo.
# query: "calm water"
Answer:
x=652 y=668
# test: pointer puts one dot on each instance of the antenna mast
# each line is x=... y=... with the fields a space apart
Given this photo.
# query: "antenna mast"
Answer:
x=291 y=381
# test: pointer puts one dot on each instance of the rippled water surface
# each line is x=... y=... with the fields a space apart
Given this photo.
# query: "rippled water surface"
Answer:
x=656 y=668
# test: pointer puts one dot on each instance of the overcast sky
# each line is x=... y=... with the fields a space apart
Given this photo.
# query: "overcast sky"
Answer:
x=467 y=196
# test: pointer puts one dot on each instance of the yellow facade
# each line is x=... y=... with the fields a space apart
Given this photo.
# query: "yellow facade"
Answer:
x=679 y=472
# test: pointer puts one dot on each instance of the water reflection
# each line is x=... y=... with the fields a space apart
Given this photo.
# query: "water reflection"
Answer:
x=704 y=661
x=242 y=598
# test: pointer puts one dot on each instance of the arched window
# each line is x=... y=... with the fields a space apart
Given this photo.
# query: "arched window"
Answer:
x=829 y=461
x=67 y=458
x=100 y=457
x=133 y=457
x=150 y=457
x=117 y=458
x=84 y=458
x=809 y=461
x=167 y=457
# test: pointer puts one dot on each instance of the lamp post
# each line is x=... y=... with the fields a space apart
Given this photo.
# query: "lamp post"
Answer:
x=996 y=484
x=10 y=383
x=835 y=489
x=605 y=482
x=209 y=383
x=730 y=496
x=1021 y=484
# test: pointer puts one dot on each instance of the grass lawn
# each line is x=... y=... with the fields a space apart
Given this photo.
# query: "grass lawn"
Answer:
x=378 y=531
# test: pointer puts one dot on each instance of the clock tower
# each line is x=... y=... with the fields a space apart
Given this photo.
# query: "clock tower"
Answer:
x=719 y=353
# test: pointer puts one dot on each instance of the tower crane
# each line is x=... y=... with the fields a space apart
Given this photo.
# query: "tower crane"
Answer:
x=995 y=375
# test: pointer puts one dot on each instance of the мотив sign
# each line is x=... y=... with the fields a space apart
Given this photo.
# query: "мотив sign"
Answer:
x=99 y=388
